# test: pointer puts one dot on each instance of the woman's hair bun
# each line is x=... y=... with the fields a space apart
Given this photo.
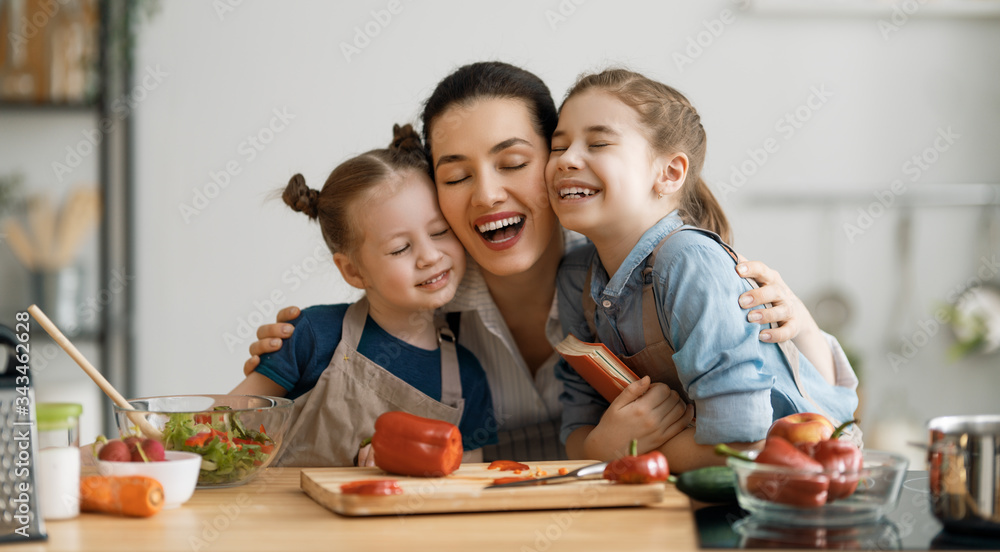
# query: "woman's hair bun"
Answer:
x=301 y=197
x=405 y=139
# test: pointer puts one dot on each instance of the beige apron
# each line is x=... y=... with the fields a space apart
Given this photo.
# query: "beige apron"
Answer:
x=330 y=421
x=656 y=359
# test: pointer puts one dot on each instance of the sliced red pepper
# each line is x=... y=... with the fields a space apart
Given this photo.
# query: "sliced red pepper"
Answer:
x=200 y=439
x=647 y=468
x=502 y=480
x=372 y=487
x=412 y=445
x=507 y=465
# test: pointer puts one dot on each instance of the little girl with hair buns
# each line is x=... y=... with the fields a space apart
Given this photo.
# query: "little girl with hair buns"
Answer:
x=346 y=364
x=656 y=286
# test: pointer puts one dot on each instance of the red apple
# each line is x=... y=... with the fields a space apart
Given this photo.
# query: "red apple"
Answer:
x=803 y=427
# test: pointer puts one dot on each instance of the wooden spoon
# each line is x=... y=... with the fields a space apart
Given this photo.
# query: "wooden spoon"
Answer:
x=104 y=384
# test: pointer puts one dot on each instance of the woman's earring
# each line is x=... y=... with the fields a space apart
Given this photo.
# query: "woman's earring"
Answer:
x=659 y=195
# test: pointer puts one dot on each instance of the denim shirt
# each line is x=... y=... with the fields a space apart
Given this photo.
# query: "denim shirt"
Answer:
x=738 y=383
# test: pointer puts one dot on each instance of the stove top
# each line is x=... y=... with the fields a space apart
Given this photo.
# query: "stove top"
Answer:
x=911 y=526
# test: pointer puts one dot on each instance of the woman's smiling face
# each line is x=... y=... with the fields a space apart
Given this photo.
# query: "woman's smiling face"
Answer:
x=489 y=168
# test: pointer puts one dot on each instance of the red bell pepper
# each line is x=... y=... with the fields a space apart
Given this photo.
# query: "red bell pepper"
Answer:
x=412 y=445
x=842 y=461
x=803 y=485
x=647 y=468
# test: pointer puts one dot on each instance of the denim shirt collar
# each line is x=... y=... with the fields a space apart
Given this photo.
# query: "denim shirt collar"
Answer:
x=636 y=258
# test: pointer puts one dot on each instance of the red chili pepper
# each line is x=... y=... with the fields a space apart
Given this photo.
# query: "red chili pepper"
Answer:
x=412 y=445
x=647 y=468
x=507 y=465
x=375 y=487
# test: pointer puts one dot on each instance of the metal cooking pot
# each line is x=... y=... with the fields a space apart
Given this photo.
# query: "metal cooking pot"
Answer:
x=964 y=464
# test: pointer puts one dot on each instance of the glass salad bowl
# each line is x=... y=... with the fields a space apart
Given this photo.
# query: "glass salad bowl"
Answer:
x=768 y=492
x=237 y=436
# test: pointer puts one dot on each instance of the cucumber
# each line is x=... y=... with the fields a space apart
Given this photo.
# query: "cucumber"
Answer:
x=715 y=484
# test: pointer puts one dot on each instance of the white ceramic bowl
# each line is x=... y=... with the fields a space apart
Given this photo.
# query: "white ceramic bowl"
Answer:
x=178 y=474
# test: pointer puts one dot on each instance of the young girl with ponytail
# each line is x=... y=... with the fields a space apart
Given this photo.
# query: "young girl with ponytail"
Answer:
x=346 y=364
x=656 y=284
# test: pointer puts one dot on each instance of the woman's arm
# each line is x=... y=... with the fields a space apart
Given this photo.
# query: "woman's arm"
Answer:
x=257 y=384
x=684 y=454
x=787 y=310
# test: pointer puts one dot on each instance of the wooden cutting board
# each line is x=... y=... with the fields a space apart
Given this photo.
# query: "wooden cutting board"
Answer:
x=464 y=491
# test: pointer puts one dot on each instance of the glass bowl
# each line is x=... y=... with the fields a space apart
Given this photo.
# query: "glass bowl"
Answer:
x=237 y=436
x=761 y=490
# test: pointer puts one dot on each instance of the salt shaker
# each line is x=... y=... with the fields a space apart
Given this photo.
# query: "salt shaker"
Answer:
x=59 y=459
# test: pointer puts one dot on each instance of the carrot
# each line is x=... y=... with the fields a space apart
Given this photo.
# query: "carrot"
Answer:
x=136 y=495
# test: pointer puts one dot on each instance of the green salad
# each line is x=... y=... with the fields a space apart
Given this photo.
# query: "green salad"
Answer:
x=229 y=451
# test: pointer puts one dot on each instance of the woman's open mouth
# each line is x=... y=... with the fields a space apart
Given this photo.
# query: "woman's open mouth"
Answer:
x=500 y=231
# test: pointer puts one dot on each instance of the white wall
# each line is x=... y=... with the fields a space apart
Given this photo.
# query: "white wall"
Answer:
x=223 y=75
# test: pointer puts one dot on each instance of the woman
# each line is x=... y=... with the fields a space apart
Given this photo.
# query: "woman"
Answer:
x=488 y=127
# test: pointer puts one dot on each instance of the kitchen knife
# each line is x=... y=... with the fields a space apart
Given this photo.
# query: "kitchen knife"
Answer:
x=580 y=473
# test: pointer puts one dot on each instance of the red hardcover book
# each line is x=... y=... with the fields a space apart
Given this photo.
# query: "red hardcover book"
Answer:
x=598 y=365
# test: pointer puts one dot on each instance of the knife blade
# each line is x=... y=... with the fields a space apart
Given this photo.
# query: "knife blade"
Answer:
x=575 y=475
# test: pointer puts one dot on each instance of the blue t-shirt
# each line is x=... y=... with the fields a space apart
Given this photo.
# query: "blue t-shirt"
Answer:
x=304 y=356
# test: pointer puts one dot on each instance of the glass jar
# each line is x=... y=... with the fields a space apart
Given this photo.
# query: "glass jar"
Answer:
x=59 y=459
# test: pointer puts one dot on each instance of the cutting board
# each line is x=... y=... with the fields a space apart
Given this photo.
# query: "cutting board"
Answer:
x=464 y=491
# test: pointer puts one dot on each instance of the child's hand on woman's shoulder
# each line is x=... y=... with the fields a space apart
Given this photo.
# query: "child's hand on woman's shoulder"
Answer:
x=270 y=337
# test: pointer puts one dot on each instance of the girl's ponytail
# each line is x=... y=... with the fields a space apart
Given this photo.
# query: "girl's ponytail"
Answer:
x=300 y=197
x=700 y=208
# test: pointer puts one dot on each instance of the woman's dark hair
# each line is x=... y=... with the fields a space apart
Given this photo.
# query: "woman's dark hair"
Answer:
x=672 y=124
x=491 y=80
x=352 y=180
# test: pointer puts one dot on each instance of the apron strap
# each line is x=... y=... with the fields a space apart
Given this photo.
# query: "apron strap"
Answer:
x=451 y=381
x=354 y=323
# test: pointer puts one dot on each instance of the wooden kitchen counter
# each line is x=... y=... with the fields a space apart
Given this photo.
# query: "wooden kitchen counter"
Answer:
x=272 y=513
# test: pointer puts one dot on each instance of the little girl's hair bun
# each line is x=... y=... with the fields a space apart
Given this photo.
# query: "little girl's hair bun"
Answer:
x=301 y=197
x=405 y=139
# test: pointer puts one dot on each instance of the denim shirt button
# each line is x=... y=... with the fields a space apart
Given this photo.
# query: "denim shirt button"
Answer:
x=606 y=303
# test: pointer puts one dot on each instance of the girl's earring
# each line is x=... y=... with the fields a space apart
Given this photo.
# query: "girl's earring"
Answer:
x=659 y=195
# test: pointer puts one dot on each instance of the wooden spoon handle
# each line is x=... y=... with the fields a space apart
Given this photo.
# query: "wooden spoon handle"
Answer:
x=94 y=374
